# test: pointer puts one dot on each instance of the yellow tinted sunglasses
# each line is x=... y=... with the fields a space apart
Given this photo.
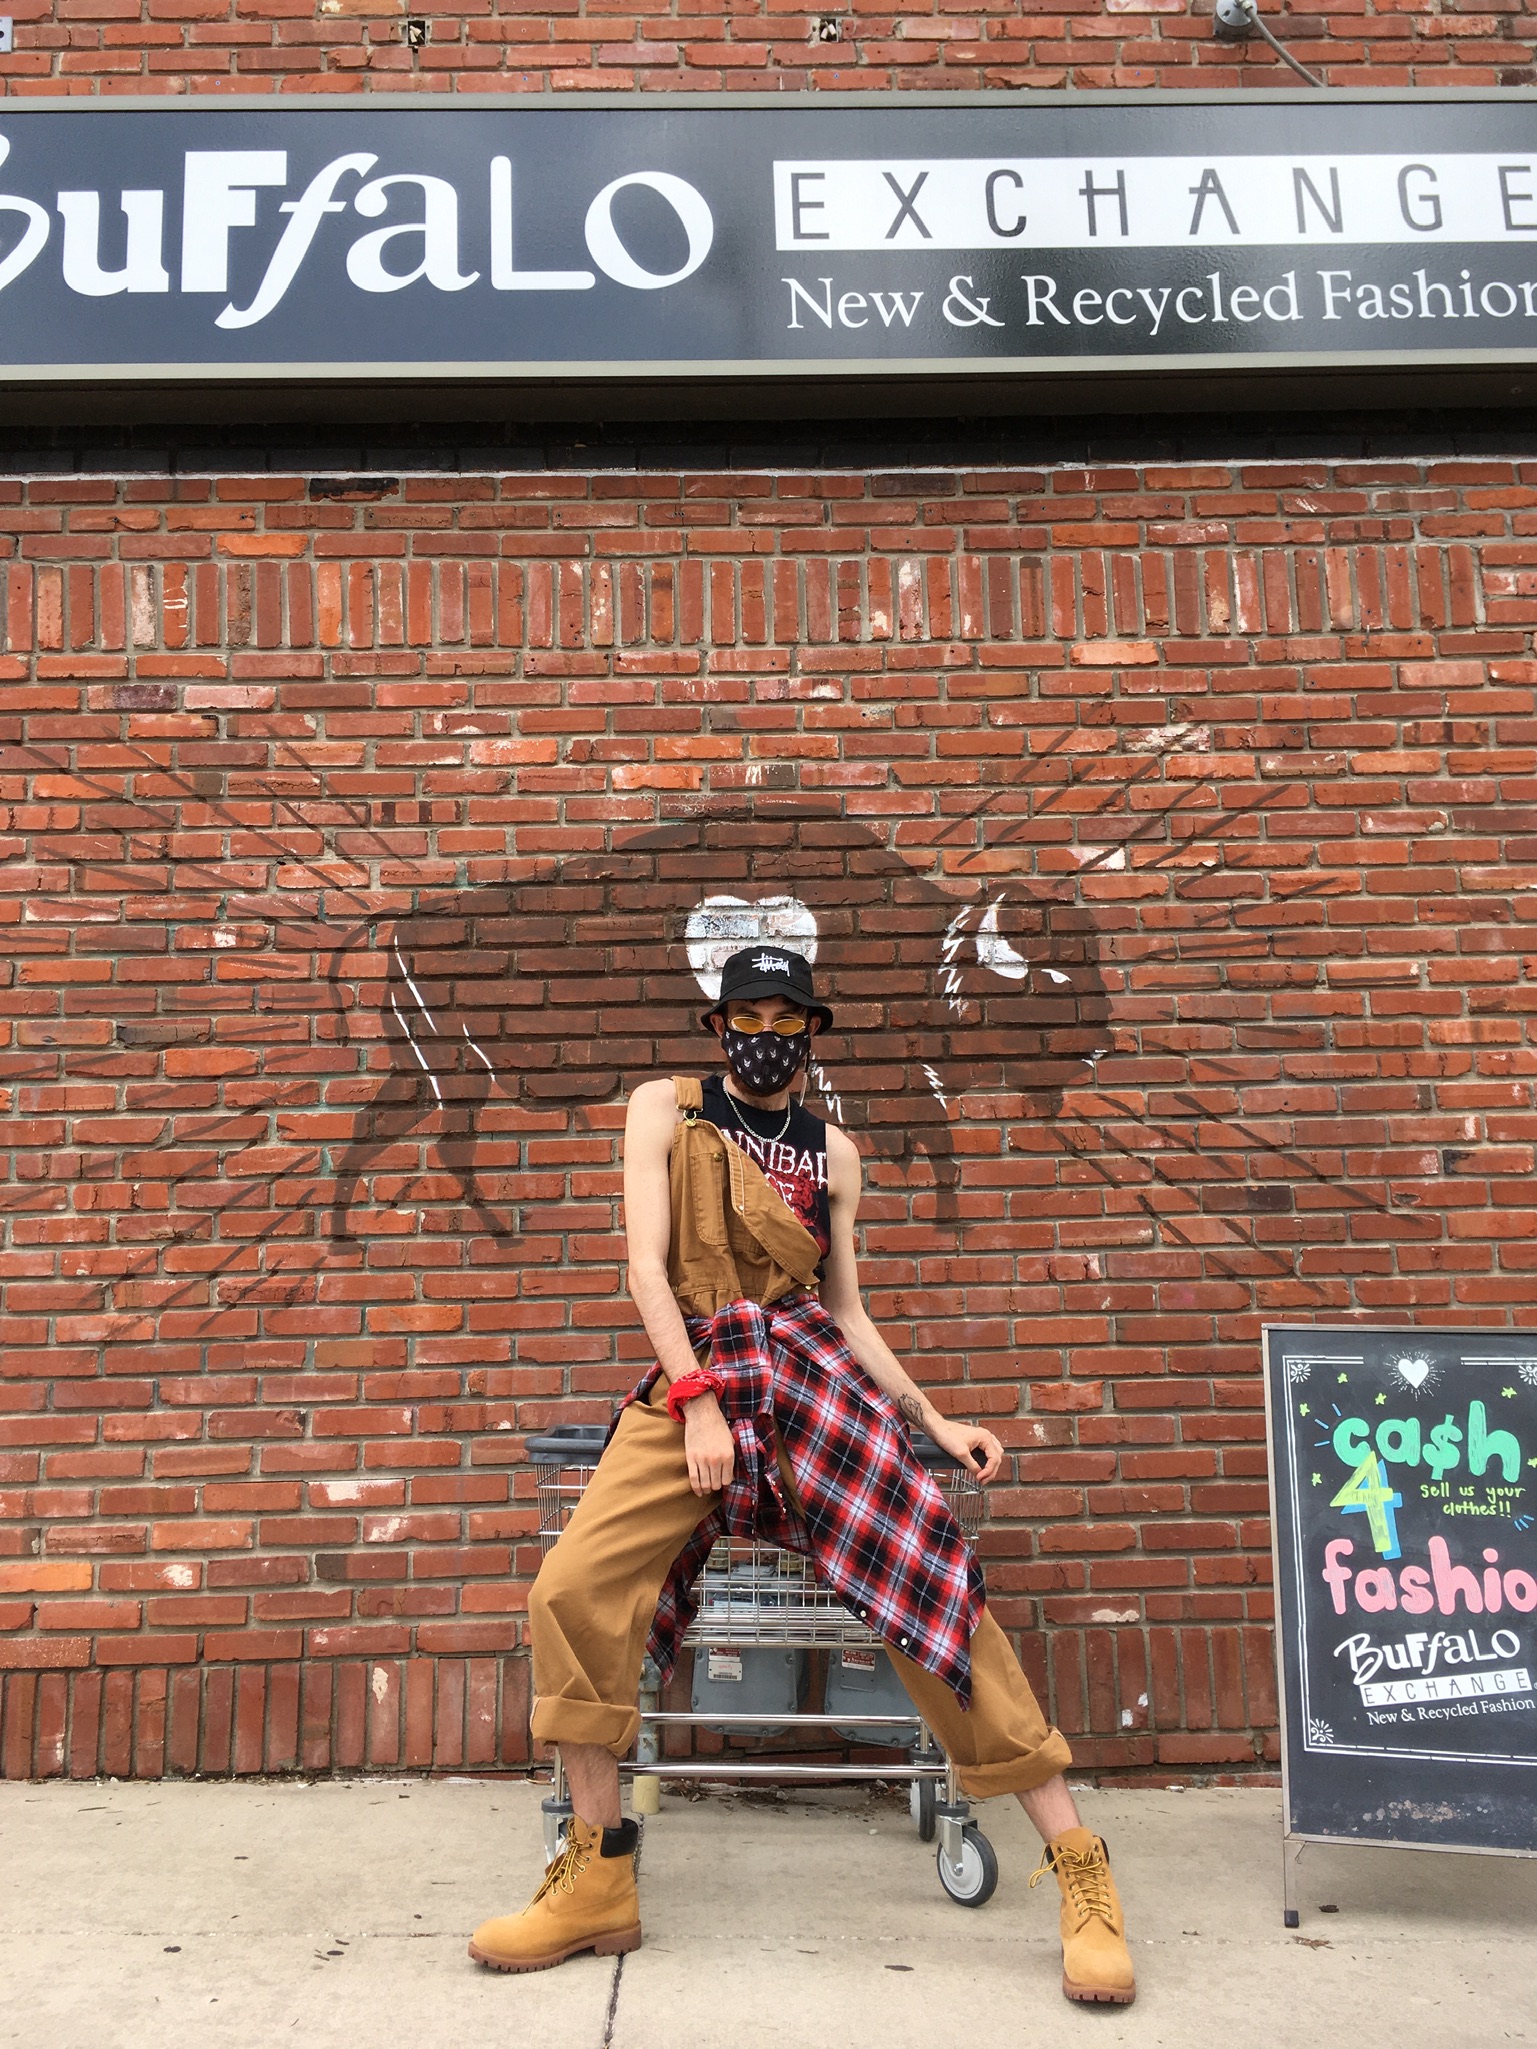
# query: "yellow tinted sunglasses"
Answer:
x=783 y=1027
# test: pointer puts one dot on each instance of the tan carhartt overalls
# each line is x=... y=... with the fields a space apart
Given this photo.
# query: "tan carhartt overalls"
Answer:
x=591 y=1608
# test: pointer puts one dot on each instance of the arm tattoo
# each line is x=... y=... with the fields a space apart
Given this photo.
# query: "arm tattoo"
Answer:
x=911 y=1408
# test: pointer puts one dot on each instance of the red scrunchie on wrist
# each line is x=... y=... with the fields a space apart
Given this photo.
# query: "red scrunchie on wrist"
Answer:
x=701 y=1381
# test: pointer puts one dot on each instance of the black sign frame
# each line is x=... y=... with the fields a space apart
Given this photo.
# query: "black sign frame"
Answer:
x=838 y=339
x=1371 y=1788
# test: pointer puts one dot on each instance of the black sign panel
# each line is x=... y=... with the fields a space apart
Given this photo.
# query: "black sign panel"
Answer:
x=940 y=234
x=1404 y=1483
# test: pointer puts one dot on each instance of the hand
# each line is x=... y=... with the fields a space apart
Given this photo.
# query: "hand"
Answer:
x=708 y=1445
x=978 y=1450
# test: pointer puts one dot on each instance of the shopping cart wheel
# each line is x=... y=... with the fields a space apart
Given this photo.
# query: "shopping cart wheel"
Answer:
x=922 y=1798
x=973 y=1881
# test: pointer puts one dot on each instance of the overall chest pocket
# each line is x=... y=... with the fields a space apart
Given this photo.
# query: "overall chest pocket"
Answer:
x=700 y=1212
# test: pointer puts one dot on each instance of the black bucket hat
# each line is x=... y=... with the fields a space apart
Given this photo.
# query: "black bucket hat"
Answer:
x=767 y=970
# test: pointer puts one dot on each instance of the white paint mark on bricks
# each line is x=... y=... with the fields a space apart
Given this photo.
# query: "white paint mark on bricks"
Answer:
x=479 y=1055
x=1189 y=739
x=421 y=1006
x=400 y=1019
x=995 y=952
x=142 y=613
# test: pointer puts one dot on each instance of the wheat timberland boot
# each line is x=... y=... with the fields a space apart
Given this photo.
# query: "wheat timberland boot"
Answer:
x=587 y=1901
x=1096 y=1965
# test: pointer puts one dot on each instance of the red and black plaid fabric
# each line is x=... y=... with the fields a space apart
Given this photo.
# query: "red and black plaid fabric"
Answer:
x=875 y=1526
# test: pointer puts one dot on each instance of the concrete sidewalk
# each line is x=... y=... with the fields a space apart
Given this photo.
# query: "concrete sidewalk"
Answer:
x=257 y=1915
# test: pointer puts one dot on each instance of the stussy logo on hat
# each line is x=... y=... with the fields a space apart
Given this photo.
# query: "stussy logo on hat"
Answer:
x=771 y=964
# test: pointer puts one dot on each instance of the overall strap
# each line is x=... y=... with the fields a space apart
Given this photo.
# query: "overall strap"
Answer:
x=702 y=1158
x=690 y=1095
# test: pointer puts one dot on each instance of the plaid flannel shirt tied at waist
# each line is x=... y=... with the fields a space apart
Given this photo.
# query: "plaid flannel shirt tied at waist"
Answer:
x=873 y=1523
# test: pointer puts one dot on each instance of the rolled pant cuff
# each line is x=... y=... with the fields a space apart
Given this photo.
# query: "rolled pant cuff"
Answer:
x=1019 y=1774
x=585 y=1721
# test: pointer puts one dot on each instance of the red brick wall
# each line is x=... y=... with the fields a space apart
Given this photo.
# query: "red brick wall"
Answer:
x=1248 y=753
x=164 y=46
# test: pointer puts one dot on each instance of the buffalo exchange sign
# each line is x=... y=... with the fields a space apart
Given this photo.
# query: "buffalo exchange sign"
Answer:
x=519 y=239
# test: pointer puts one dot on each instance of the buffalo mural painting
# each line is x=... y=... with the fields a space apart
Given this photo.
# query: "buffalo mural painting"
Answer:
x=504 y=1009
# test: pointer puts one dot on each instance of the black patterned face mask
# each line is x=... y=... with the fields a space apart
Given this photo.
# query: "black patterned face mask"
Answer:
x=763 y=1061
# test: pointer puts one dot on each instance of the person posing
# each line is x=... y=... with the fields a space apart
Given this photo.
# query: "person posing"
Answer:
x=774 y=1410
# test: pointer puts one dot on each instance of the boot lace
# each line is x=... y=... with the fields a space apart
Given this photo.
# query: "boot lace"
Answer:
x=1086 y=1879
x=563 y=1873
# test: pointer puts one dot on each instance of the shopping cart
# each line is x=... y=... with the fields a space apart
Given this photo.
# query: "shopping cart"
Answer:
x=754 y=1597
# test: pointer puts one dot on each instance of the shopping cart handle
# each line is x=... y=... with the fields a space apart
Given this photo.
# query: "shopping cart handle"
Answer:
x=570 y=1444
x=578 y=1444
x=932 y=1459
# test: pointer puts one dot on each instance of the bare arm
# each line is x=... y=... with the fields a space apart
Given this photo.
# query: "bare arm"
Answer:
x=648 y=1129
x=649 y=1125
x=978 y=1450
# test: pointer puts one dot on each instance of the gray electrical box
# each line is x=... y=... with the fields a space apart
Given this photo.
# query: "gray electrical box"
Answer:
x=748 y=1680
x=7 y=34
x=864 y=1682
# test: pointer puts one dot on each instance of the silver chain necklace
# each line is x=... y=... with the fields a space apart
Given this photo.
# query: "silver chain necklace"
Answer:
x=761 y=1136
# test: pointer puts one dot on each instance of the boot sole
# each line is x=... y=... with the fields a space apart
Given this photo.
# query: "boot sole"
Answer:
x=1096 y=1995
x=620 y=1943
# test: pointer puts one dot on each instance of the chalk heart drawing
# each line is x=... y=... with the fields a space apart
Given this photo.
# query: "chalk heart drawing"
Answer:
x=1415 y=1371
x=722 y=925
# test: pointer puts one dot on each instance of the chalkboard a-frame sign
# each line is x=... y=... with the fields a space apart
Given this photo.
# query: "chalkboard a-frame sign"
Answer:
x=1403 y=1483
